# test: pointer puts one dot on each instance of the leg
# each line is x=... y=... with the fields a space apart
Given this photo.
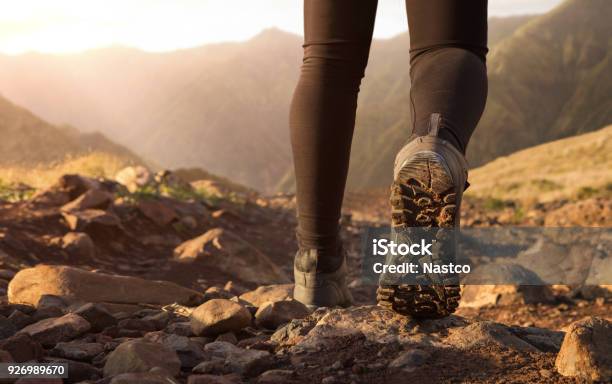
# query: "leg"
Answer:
x=448 y=44
x=337 y=38
x=449 y=87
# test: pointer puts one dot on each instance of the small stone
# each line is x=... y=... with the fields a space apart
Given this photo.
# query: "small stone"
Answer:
x=189 y=352
x=7 y=328
x=92 y=199
x=585 y=352
x=140 y=378
x=410 y=360
x=141 y=356
x=22 y=347
x=5 y=357
x=20 y=319
x=97 y=316
x=546 y=373
x=219 y=316
x=6 y=274
x=134 y=178
x=328 y=380
x=266 y=293
x=213 y=379
x=51 y=331
x=138 y=324
x=77 y=350
x=79 y=244
x=82 y=221
x=272 y=314
x=228 y=337
x=217 y=293
x=158 y=212
x=246 y=362
x=182 y=328
x=276 y=376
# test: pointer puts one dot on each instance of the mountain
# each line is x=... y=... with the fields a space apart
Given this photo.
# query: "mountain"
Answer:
x=578 y=166
x=30 y=141
x=224 y=107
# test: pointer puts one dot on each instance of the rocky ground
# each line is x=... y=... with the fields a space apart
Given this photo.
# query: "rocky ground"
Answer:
x=154 y=281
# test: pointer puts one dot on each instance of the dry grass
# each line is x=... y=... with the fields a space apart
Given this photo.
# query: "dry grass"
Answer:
x=93 y=165
x=571 y=168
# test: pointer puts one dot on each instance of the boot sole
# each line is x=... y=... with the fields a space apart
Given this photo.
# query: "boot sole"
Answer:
x=423 y=195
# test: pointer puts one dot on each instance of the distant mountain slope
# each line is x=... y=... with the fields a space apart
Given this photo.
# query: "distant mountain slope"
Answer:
x=551 y=79
x=559 y=169
x=28 y=140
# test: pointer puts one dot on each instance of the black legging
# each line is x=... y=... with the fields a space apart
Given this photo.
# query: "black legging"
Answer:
x=448 y=44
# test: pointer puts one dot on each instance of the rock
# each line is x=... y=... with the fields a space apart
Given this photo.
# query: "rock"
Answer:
x=477 y=296
x=158 y=212
x=91 y=219
x=79 y=244
x=7 y=328
x=49 y=306
x=51 y=331
x=545 y=340
x=229 y=252
x=6 y=274
x=77 y=285
x=5 y=357
x=266 y=293
x=65 y=189
x=410 y=360
x=213 y=379
x=92 y=199
x=77 y=370
x=228 y=337
x=276 y=376
x=486 y=333
x=246 y=362
x=140 y=356
x=182 y=328
x=140 y=378
x=76 y=350
x=585 y=352
x=219 y=316
x=189 y=352
x=139 y=324
x=20 y=319
x=272 y=314
x=217 y=293
x=22 y=347
x=97 y=316
x=328 y=337
x=134 y=178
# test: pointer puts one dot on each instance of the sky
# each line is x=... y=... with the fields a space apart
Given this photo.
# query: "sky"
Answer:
x=62 y=26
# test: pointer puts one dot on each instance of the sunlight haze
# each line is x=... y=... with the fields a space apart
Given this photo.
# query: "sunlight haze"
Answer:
x=62 y=26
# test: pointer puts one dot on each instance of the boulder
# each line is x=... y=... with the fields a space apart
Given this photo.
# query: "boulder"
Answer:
x=486 y=333
x=585 y=352
x=141 y=356
x=247 y=362
x=77 y=285
x=51 y=331
x=272 y=314
x=229 y=252
x=262 y=294
x=219 y=316
x=65 y=189
x=134 y=178
x=92 y=199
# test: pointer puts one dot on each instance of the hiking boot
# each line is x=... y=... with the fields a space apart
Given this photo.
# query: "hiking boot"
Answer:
x=430 y=175
x=315 y=288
